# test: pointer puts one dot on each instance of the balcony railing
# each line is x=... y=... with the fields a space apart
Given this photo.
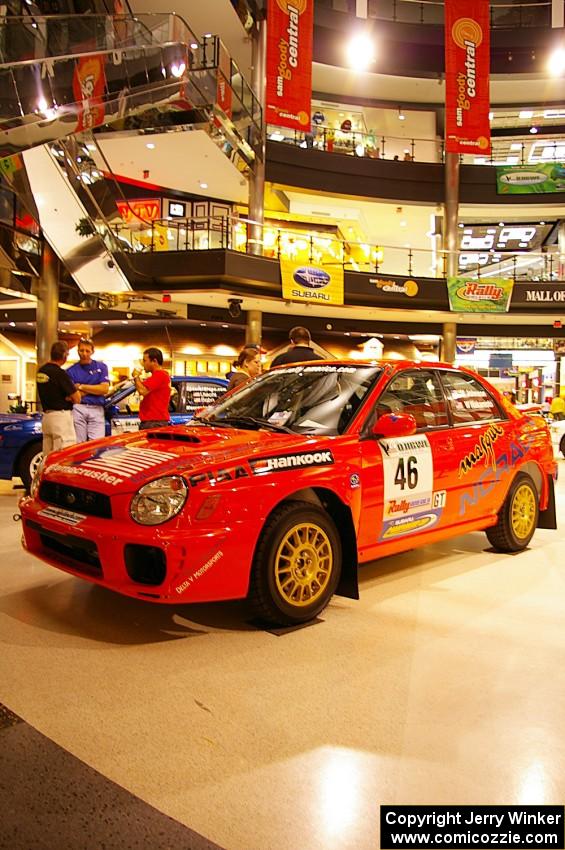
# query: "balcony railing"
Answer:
x=502 y=15
x=327 y=249
x=507 y=150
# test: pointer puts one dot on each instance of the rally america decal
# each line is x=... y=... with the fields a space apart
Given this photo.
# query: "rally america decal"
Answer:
x=410 y=503
x=280 y=463
x=115 y=464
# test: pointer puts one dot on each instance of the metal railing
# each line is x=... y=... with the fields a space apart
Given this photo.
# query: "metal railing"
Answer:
x=506 y=150
x=325 y=248
x=502 y=15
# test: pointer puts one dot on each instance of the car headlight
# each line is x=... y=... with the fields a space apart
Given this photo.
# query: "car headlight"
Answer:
x=159 y=501
x=36 y=480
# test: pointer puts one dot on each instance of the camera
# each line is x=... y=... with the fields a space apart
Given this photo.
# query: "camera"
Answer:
x=234 y=308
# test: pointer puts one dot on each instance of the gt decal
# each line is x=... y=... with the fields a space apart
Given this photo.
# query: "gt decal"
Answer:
x=484 y=450
x=408 y=475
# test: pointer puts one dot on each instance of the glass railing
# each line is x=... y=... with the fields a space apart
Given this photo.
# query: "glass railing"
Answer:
x=502 y=15
x=121 y=66
x=328 y=249
x=507 y=150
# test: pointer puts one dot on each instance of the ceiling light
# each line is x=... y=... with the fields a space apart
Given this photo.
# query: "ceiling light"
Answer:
x=203 y=185
x=401 y=115
x=556 y=62
x=150 y=145
x=178 y=69
x=542 y=222
x=533 y=130
x=360 y=52
x=193 y=45
x=208 y=35
x=525 y=114
x=501 y=224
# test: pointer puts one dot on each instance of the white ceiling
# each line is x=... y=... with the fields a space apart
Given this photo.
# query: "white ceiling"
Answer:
x=179 y=160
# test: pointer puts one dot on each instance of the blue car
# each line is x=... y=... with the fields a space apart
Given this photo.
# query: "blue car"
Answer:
x=20 y=434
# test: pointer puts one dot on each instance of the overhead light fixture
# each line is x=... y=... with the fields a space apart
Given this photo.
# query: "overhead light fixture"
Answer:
x=401 y=115
x=360 y=52
x=556 y=62
x=533 y=130
x=501 y=224
x=490 y=116
x=203 y=185
x=194 y=45
x=150 y=145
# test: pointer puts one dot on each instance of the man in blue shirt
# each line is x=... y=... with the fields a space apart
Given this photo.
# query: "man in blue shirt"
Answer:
x=91 y=380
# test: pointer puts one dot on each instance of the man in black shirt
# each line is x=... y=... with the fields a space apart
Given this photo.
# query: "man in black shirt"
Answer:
x=57 y=393
x=300 y=350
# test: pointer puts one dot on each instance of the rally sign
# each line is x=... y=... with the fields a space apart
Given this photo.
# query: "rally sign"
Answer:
x=467 y=295
x=308 y=282
x=467 y=58
x=289 y=63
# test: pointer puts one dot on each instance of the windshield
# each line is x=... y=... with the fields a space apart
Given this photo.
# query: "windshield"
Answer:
x=305 y=399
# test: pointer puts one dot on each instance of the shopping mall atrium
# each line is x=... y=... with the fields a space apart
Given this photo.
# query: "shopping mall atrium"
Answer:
x=390 y=175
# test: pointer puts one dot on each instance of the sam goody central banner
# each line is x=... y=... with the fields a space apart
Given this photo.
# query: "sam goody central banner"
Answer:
x=467 y=65
x=289 y=63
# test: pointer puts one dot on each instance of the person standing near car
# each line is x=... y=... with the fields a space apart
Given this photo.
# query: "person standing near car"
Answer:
x=300 y=350
x=155 y=391
x=57 y=393
x=248 y=364
x=557 y=408
x=91 y=379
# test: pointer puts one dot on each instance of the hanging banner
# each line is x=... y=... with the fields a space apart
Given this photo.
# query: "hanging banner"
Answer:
x=467 y=295
x=539 y=178
x=467 y=65
x=89 y=84
x=307 y=282
x=289 y=63
x=223 y=82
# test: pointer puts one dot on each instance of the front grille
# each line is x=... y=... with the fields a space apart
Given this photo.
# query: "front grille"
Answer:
x=83 y=553
x=73 y=498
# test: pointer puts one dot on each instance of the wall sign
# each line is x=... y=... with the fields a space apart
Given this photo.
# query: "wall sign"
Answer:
x=537 y=178
x=146 y=209
x=467 y=295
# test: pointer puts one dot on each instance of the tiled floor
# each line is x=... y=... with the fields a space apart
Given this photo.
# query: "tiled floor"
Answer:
x=445 y=683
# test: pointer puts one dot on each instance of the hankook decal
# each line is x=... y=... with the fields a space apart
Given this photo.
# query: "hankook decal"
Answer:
x=281 y=462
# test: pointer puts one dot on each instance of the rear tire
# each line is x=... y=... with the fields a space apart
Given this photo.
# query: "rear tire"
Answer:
x=518 y=516
x=28 y=462
x=297 y=564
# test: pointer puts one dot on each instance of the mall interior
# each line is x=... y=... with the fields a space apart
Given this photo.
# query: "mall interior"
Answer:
x=150 y=197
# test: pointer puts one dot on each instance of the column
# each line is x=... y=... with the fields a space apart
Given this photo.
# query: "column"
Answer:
x=257 y=176
x=47 y=310
x=561 y=250
x=253 y=328
x=448 y=343
x=451 y=215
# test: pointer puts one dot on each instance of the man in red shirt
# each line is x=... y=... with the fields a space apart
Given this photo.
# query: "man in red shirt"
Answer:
x=155 y=391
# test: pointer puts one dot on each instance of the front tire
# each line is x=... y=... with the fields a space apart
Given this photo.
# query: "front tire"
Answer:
x=518 y=516
x=297 y=564
x=28 y=462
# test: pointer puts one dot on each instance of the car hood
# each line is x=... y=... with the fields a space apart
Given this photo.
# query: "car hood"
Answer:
x=121 y=464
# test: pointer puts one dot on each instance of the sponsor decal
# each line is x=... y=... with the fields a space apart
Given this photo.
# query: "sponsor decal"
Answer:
x=487 y=481
x=279 y=463
x=408 y=287
x=200 y=572
x=467 y=59
x=484 y=450
x=96 y=475
x=466 y=346
x=354 y=481
x=114 y=465
x=399 y=527
x=61 y=515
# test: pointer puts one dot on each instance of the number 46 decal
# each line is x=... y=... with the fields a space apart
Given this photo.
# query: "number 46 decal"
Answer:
x=407 y=473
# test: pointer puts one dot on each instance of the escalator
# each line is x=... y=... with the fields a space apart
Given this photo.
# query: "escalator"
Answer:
x=94 y=71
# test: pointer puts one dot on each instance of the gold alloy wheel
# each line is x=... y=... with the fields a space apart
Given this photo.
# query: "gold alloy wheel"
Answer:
x=303 y=564
x=523 y=513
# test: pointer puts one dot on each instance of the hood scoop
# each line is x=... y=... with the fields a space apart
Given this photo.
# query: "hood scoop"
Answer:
x=172 y=436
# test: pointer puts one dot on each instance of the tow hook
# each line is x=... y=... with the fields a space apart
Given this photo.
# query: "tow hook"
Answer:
x=17 y=517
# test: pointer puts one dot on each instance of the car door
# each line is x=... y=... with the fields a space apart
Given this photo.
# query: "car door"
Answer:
x=484 y=449
x=404 y=479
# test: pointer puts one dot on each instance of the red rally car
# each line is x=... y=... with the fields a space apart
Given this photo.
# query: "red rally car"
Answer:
x=279 y=490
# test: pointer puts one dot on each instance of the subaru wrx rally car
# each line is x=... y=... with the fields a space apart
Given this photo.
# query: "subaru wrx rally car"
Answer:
x=280 y=489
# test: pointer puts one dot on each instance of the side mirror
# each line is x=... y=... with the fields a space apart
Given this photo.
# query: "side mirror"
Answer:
x=394 y=425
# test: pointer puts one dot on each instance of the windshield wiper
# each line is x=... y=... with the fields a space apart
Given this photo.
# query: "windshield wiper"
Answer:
x=252 y=421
